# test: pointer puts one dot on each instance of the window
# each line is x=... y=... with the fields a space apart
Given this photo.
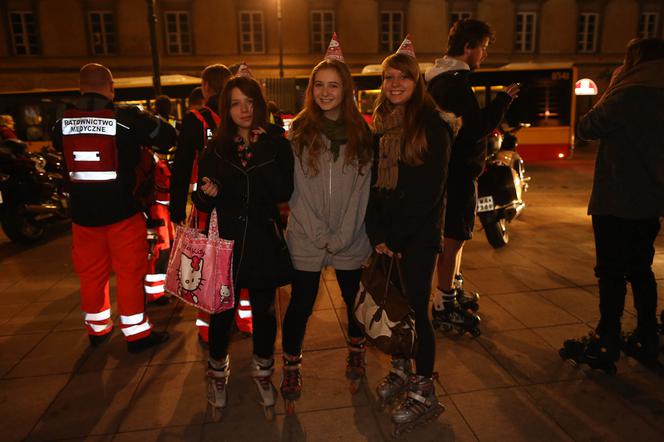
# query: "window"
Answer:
x=526 y=28
x=391 y=30
x=252 y=36
x=322 y=27
x=586 y=37
x=459 y=15
x=102 y=32
x=648 y=22
x=178 y=40
x=23 y=26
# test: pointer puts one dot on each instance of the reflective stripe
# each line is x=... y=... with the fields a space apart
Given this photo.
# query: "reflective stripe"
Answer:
x=101 y=316
x=244 y=303
x=131 y=320
x=97 y=327
x=86 y=156
x=155 y=277
x=154 y=289
x=201 y=323
x=136 y=329
x=163 y=203
x=93 y=176
x=244 y=314
x=194 y=187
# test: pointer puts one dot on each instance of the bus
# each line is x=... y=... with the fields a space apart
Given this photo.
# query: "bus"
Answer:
x=546 y=102
x=36 y=111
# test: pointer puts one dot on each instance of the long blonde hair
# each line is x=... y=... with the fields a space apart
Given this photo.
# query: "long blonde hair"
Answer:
x=305 y=130
x=414 y=134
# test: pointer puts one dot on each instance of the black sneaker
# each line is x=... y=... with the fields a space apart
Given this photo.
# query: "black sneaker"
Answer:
x=97 y=340
x=153 y=339
x=161 y=301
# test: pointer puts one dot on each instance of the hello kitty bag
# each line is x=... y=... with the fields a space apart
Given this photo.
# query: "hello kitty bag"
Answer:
x=200 y=269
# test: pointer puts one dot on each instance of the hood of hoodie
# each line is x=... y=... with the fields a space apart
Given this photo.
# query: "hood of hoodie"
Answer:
x=445 y=64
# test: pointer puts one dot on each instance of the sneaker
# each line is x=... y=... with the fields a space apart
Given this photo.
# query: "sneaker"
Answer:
x=153 y=339
x=161 y=301
x=97 y=340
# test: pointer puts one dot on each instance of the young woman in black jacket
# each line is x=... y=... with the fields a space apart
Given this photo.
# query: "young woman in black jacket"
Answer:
x=245 y=171
x=404 y=218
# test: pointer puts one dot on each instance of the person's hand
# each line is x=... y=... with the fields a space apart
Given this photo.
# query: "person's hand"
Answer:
x=209 y=188
x=384 y=250
x=513 y=90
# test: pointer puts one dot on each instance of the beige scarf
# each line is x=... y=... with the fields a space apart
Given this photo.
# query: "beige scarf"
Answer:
x=648 y=73
x=389 y=149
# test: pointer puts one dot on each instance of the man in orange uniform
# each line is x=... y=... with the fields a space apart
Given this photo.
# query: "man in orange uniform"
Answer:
x=102 y=147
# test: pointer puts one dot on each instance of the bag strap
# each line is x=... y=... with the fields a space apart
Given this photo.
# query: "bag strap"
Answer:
x=395 y=262
x=213 y=232
x=192 y=220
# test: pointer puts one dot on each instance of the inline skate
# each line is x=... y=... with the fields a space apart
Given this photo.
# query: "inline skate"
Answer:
x=590 y=350
x=454 y=317
x=217 y=386
x=395 y=383
x=644 y=348
x=262 y=375
x=291 y=382
x=420 y=405
x=356 y=363
x=467 y=300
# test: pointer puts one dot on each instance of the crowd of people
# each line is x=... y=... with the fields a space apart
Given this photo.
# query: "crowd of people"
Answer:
x=404 y=187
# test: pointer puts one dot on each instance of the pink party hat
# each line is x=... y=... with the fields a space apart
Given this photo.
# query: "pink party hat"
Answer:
x=407 y=47
x=244 y=71
x=334 y=49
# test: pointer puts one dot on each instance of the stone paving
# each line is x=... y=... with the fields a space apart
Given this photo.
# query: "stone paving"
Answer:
x=507 y=385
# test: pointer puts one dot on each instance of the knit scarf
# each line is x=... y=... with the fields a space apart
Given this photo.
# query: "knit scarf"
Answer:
x=335 y=131
x=390 y=127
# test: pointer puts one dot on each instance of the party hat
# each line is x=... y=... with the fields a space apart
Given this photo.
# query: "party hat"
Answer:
x=407 y=47
x=334 y=49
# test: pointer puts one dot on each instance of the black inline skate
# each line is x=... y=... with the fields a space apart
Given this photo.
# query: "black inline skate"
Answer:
x=454 y=317
x=419 y=406
x=291 y=382
x=644 y=348
x=591 y=351
x=467 y=300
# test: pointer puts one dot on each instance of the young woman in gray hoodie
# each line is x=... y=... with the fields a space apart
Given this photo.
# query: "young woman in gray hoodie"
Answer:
x=333 y=151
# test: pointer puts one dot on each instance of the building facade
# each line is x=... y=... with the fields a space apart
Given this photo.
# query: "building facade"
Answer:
x=43 y=43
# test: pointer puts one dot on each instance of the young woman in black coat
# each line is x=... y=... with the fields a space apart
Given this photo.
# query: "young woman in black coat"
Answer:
x=404 y=218
x=246 y=171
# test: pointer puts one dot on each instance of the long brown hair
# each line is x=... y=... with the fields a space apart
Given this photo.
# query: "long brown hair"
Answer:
x=227 y=130
x=305 y=130
x=415 y=142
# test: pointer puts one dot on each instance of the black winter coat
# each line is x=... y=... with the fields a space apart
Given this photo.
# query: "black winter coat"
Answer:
x=452 y=92
x=413 y=211
x=247 y=206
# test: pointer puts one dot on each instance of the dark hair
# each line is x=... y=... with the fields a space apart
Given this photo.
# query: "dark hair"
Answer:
x=227 y=130
x=414 y=136
x=234 y=68
x=640 y=50
x=467 y=32
x=196 y=95
x=215 y=75
x=305 y=132
x=162 y=105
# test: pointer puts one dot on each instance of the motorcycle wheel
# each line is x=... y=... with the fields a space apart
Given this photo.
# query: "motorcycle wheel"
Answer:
x=19 y=227
x=497 y=232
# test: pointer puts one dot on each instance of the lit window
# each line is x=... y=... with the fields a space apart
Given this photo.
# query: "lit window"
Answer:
x=391 y=30
x=322 y=27
x=252 y=35
x=459 y=15
x=23 y=25
x=178 y=40
x=648 y=22
x=102 y=32
x=525 y=32
x=586 y=37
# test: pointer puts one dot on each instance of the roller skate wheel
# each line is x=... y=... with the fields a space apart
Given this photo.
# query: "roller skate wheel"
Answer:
x=290 y=408
x=269 y=413
x=476 y=332
x=217 y=414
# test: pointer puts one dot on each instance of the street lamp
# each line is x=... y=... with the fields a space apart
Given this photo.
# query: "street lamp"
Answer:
x=281 y=42
x=156 y=62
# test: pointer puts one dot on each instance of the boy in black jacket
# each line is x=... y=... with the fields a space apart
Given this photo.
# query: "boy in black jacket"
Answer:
x=449 y=85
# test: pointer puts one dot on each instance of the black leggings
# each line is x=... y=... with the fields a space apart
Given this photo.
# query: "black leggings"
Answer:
x=417 y=265
x=303 y=297
x=264 y=325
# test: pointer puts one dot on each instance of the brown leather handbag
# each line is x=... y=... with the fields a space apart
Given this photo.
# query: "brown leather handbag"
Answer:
x=382 y=310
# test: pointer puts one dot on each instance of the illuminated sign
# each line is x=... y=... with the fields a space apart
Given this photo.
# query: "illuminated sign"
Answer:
x=585 y=86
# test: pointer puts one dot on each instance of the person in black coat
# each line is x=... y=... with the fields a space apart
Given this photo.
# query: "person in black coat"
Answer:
x=246 y=171
x=449 y=85
x=404 y=216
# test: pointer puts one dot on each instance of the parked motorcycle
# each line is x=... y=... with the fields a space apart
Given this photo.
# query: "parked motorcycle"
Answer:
x=501 y=186
x=32 y=192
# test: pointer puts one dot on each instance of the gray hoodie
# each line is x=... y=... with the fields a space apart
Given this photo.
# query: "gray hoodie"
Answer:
x=329 y=209
x=443 y=65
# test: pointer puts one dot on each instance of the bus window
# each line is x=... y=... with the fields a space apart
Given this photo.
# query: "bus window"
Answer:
x=366 y=100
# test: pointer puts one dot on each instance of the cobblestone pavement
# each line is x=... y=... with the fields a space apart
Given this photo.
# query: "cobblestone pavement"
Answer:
x=508 y=385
